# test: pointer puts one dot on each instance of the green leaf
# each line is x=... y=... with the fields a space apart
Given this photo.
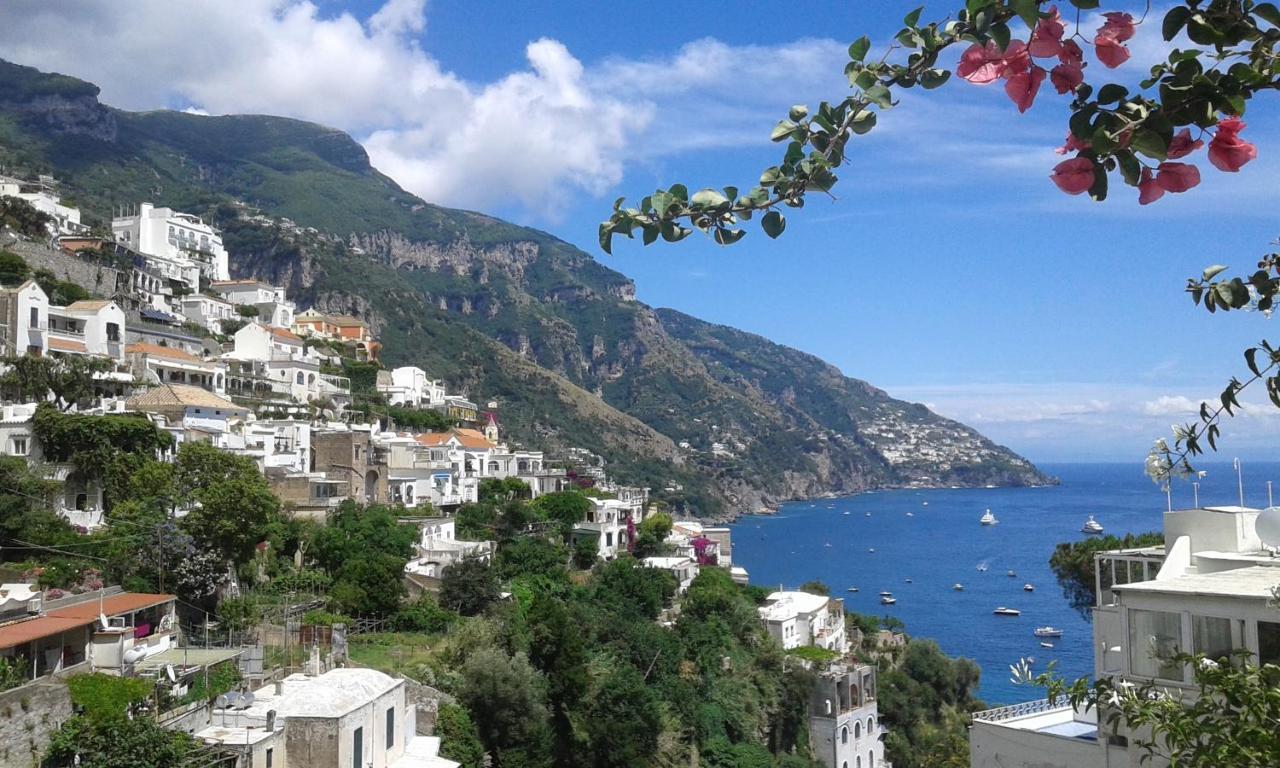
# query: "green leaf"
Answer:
x=879 y=95
x=679 y=192
x=728 y=236
x=782 y=130
x=863 y=122
x=606 y=238
x=1027 y=11
x=1112 y=92
x=773 y=223
x=911 y=19
x=934 y=78
x=708 y=198
x=1085 y=5
x=1212 y=272
x=1099 y=189
x=1149 y=143
x=1001 y=35
x=1130 y=168
x=798 y=112
x=650 y=234
x=1174 y=21
x=858 y=48
x=1250 y=360
x=770 y=176
x=1268 y=13
x=672 y=232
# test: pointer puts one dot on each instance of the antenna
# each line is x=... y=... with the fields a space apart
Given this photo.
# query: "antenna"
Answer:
x=1268 y=527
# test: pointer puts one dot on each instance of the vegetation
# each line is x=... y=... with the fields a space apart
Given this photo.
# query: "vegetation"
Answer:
x=69 y=380
x=924 y=699
x=22 y=217
x=60 y=292
x=364 y=550
x=1073 y=563
x=13 y=269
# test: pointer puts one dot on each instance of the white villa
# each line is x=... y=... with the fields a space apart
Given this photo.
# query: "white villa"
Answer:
x=1206 y=590
x=273 y=308
x=844 y=720
x=179 y=245
x=66 y=220
x=409 y=385
x=439 y=548
x=796 y=619
x=684 y=569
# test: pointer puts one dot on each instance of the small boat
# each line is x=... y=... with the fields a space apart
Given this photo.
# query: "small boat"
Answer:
x=908 y=579
x=886 y=594
x=924 y=503
x=1048 y=632
x=888 y=600
x=1002 y=611
x=982 y=567
x=851 y=589
x=1046 y=644
x=958 y=587
x=827 y=544
x=1091 y=526
x=868 y=514
x=847 y=513
x=1028 y=588
x=988 y=518
x=1012 y=574
x=911 y=514
x=872 y=550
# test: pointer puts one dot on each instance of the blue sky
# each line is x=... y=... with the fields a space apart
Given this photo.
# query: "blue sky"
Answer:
x=949 y=270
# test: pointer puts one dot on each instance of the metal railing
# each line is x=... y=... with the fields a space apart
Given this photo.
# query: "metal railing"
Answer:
x=1026 y=708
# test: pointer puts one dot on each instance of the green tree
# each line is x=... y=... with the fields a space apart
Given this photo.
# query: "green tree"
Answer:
x=22 y=217
x=26 y=511
x=556 y=649
x=623 y=720
x=568 y=508
x=118 y=743
x=815 y=587
x=586 y=549
x=459 y=740
x=468 y=587
x=364 y=550
x=13 y=269
x=530 y=555
x=68 y=379
x=629 y=588
x=476 y=522
x=652 y=533
x=1072 y=563
x=506 y=698
x=503 y=489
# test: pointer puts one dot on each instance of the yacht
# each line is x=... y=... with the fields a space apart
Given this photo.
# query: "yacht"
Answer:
x=988 y=518
x=888 y=600
x=1048 y=632
x=1091 y=526
x=847 y=513
x=1028 y=588
x=1012 y=574
x=1002 y=611
x=852 y=589
x=924 y=503
x=908 y=579
x=982 y=567
x=872 y=550
x=1046 y=644
x=886 y=594
x=958 y=587
x=911 y=514
x=868 y=514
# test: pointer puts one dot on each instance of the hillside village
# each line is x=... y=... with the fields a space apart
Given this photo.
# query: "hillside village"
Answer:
x=143 y=337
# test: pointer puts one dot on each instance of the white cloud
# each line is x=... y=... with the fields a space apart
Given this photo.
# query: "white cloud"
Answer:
x=1170 y=405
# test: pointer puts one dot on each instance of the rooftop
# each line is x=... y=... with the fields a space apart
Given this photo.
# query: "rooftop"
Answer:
x=155 y=350
x=66 y=345
x=169 y=395
x=781 y=606
x=76 y=615
x=331 y=695
x=89 y=305
x=1252 y=582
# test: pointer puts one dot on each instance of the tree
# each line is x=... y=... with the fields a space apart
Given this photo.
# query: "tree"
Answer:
x=232 y=502
x=459 y=740
x=1073 y=563
x=61 y=292
x=586 y=549
x=23 y=217
x=246 y=310
x=70 y=379
x=530 y=555
x=506 y=698
x=13 y=269
x=816 y=587
x=468 y=587
x=568 y=508
x=651 y=533
x=503 y=489
x=118 y=743
x=364 y=550
x=556 y=649
x=622 y=720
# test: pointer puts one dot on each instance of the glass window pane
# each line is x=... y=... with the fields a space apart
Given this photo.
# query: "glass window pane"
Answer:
x=1268 y=642
x=1212 y=637
x=1154 y=636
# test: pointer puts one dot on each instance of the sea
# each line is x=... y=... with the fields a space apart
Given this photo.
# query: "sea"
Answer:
x=918 y=543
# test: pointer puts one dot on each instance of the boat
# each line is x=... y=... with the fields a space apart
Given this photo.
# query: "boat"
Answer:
x=847 y=513
x=924 y=503
x=1048 y=632
x=911 y=514
x=1011 y=574
x=982 y=567
x=908 y=579
x=958 y=587
x=1091 y=526
x=888 y=600
x=1046 y=644
x=868 y=514
x=872 y=550
x=827 y=544
x=1028 y=588
x=851 y=589
x=1002 y=611
x=886 y=594
x=988 y=518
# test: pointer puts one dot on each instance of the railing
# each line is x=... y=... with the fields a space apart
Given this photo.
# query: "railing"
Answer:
x=68 y=331
x=1015 y=711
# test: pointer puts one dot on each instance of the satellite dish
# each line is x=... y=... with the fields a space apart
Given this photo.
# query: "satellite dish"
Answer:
x=246 y=700
x=168 y=670
x=1268 y=526
x=221 y=702
x=102 y=619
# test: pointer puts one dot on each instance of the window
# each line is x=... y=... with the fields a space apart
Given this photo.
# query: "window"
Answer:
x=391 y=727
x=35 y=317
x=844 y=735
x=357 y=748
x=857 y=730
x=20 y=446
x=270 y=756
x=1153 y=637
x=1268 y=642
x=608 y=539
x=1216 y=638
x=871 y=725
x=113 y=331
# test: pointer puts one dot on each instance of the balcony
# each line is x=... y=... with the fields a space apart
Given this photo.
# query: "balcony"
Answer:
x=1035 y=733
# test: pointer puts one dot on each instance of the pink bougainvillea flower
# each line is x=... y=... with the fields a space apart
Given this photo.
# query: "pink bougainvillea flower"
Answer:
x=1182 y=145
x=1070 y=53
x=1148 y=190
x=1227 y=151
x=1110 y=51
x=1072 y=145
x=1073 y=176
x=1017 y=59
x=1023 y=87
x=1177 y=177
x=981 y=64
x=1118 y=25
x=1046 y=40
x=1066 y=77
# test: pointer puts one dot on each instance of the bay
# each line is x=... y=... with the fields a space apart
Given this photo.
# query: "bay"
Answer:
x=941 y=543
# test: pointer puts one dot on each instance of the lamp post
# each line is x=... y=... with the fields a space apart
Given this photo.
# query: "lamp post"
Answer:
x=1195 y=495
x=1239 y=479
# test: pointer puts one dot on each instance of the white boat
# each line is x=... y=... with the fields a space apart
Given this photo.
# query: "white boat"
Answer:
x=1028 y=588
x=1002 y=611
x=872 y=550
x=1046 y=645
x=888 y=600
x=988 y=518
x=868 y=514
x=1012 y=574
x=1048 y=632
x=982 y=567
x=958 y=587
x=924 y=503
x=1091 y=526
x=908 y=579
x=852 y=589
x=886 y=594
x=911 y=514
x=847 y=513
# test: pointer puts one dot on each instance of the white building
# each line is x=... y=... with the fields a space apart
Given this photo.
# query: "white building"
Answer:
x=207 y=311
x=410 y=386
x=682 y=568
x=66 y=220
x=340 y=719
x=439 y=548
x=273 y=308
x=607 y=522
x=844 y=721
x=181 y=246
x=797 y=619
x=191 y=413
x=155 y=364
x=1207 y=590
x=88 y=328
x=24 y=320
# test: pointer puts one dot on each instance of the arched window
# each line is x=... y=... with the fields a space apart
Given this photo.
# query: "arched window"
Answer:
x=301 y=377
x=871 y=758
x=844 y=735
x=871 y=724
x=859 y=762
x=857 y=730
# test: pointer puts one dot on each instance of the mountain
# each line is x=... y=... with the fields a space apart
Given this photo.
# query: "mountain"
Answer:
x=508 y=312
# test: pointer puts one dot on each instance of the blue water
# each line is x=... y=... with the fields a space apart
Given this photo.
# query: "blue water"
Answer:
x=942 y=543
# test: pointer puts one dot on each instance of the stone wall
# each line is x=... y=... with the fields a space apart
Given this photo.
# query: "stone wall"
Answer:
x=95 y=277
x=29 y=717
x=428 y=701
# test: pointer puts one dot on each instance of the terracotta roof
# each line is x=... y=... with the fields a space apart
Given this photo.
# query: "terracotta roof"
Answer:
x=467 y=438
x=178 y=395
x=155 y=350
x=346 y=320
x=88 y=305
x=115 y=605
x=24 y=632
x=285 y=334
x=67 y=345
x=434 y=438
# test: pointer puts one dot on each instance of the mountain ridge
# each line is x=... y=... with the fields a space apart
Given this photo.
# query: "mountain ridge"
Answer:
x=738 y=421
